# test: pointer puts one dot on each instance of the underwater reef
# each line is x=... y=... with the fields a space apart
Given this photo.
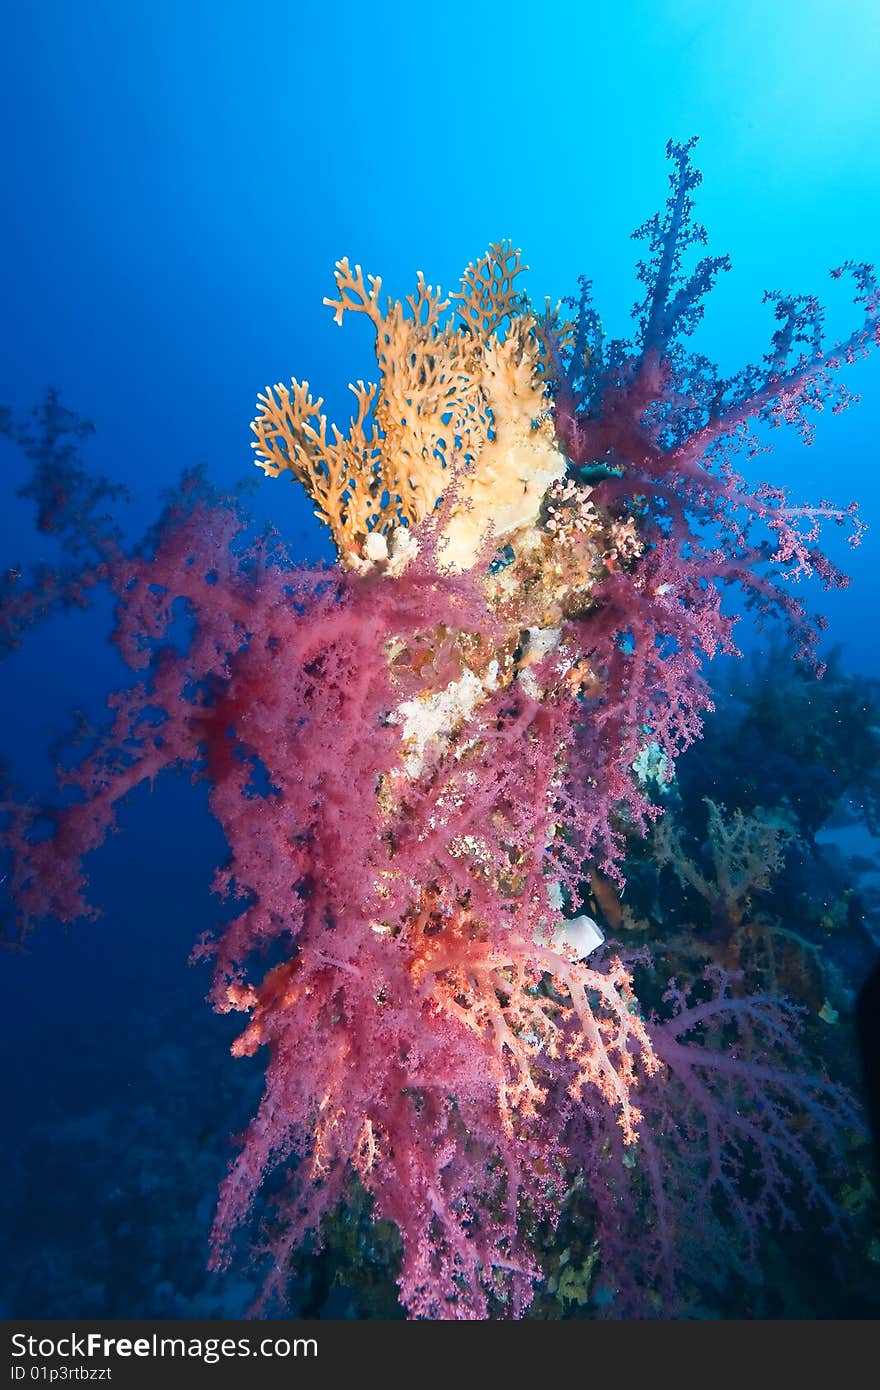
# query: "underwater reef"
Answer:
x=437 y=764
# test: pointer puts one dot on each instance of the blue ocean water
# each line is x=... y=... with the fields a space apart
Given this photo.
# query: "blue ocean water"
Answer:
x=180 y=179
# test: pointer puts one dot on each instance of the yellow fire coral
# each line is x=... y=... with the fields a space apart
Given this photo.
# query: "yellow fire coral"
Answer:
x=461 y=399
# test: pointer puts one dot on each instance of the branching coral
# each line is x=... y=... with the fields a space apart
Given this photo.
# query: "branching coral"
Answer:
x=458 y=402
x=71 y=506
x=740 y=1136
x=723 y=914
x=657 y=425
x=746 y=852
x=418 y=756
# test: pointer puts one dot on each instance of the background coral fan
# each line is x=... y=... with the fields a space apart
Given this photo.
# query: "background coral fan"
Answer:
x=70 y=504
x=417 y=757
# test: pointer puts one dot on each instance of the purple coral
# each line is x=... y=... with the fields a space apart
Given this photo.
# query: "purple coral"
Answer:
x=393 y=947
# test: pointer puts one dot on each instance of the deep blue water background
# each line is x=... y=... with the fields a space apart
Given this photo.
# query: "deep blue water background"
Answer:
x=179 y=179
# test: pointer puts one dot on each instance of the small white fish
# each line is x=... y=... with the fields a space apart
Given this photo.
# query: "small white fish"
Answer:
x=578 y=935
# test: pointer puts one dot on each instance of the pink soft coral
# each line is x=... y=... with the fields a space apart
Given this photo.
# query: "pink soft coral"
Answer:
x=394 y=947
